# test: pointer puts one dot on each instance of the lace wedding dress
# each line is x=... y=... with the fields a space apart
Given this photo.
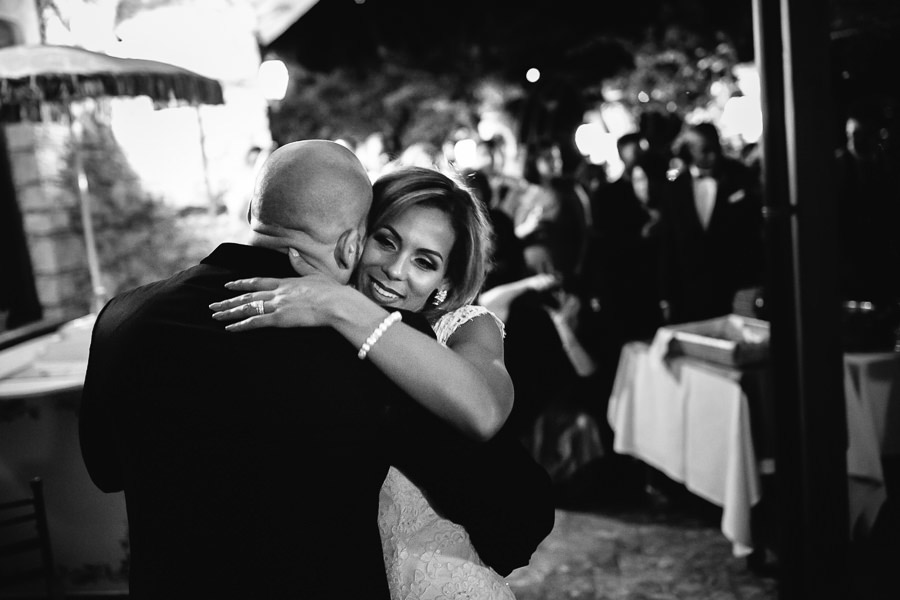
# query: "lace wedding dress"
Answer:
x=428 y=557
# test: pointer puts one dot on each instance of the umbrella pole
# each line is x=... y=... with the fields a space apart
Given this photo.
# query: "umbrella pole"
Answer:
x=209 y=194
x=87 y=221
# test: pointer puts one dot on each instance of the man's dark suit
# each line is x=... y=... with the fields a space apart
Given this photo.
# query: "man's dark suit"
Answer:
x=701 y=269
x=252 y=462
x=621 y=271
x=620 y=288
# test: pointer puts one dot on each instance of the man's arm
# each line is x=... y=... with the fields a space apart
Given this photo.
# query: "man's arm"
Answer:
x=99 y=446
x=509 y=509
x=494 y=489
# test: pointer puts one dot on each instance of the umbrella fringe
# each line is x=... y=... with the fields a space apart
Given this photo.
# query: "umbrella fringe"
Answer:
x=23 y=99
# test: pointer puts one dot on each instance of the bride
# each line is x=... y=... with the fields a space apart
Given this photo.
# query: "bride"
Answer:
x=427 y=251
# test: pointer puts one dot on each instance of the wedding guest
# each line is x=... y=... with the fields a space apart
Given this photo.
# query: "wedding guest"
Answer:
x=868 y=190
x=543 y=353
x=553 y=225
x=621 y=276
x=620 y=281
x=507 y=257
x=711 y=229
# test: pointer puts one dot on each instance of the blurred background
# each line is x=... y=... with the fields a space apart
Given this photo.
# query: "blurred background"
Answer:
x=388 y=78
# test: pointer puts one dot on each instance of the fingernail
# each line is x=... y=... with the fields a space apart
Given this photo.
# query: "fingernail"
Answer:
x=293 y=252
x=229 y=285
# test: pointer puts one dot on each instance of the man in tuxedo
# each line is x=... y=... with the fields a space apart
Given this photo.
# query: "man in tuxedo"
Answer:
x=252 y=464
x=711 y=229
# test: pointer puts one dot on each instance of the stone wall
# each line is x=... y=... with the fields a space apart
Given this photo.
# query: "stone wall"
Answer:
x=138 y=237
x=47 y=198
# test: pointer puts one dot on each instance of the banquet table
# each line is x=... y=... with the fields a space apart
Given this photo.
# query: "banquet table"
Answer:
x=872 y=395
x=51 y=363
x=705 y=426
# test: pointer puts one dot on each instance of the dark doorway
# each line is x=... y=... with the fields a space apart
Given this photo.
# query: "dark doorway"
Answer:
x=19 y=304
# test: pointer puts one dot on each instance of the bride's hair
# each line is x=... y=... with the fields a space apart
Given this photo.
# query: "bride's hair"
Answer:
x=398 y=190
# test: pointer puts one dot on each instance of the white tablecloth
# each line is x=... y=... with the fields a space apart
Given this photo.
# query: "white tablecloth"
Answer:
x=872 y=393
x=691 y=420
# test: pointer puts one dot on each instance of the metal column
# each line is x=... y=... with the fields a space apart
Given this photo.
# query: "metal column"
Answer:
x=791 y=39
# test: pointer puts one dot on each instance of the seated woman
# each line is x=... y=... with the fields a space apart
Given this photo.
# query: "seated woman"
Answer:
x=426 y=251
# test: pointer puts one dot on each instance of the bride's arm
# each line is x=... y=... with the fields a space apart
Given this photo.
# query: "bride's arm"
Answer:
x=466 y=383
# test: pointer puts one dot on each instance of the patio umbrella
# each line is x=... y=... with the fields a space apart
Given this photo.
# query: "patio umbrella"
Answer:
x=40 y=82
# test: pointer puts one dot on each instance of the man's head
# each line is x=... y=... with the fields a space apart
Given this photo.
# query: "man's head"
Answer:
x=700 y=146
x=630 y=147
x=313 y=196
x=862 y=137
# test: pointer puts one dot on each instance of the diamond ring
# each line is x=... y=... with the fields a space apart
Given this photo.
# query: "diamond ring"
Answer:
x=259 y=306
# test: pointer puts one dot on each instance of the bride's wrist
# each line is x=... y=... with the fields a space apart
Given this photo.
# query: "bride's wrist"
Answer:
x=353 y=314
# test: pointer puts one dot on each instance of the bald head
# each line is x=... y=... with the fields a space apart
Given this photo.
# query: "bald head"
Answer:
x=309 y=196
x=312 y=185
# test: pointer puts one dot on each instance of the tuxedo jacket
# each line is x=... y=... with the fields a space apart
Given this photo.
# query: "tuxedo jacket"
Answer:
x=252 y=462
x=701 y=269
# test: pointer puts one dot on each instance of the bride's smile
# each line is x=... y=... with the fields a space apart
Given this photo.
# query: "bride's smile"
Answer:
x=382 y=291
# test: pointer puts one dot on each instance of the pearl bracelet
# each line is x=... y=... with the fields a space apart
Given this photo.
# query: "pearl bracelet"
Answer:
x=379 y=331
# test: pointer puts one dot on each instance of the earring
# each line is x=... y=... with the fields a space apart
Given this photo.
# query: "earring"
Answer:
x=439 y=297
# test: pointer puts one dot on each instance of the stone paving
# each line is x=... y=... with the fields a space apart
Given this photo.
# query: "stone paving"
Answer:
x=635 y=556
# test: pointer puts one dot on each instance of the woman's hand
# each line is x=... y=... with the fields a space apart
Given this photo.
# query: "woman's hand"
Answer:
x=565 y=318
x=271 y=302
x=541 y=281
x=567 y=313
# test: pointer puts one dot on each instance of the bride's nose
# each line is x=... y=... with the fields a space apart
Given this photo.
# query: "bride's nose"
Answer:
x=394 y=268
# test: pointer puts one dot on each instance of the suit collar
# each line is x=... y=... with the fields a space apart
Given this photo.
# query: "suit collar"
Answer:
x=262 y=262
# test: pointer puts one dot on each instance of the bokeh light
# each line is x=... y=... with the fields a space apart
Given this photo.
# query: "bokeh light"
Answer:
x=273 y=79
x=465 y=152
x=742 y=116
x=594 y=142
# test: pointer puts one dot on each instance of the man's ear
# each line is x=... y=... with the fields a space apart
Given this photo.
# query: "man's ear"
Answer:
x=347 y=249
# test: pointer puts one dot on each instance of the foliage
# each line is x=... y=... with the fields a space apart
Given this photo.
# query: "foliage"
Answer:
x=671 y=74
x=407 y=106
x=677 y=73
x=139 y=239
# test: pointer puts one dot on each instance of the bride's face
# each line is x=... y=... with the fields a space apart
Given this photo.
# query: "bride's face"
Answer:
x=405 y=259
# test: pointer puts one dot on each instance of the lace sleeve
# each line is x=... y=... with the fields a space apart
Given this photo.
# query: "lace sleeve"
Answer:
x=452 y=321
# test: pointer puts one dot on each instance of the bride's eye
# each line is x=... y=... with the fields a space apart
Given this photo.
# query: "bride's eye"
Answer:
x=384 y=239
x=426 y=264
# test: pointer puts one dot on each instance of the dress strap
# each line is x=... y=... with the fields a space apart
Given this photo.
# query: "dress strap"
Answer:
x=450 y=322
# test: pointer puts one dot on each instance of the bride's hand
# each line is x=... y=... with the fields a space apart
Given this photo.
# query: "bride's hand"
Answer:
x=271 y=302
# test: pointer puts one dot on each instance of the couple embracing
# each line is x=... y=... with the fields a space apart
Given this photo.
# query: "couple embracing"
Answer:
x=342 y=436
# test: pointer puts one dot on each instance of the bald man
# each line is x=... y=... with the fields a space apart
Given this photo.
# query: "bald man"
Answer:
x=251 y=464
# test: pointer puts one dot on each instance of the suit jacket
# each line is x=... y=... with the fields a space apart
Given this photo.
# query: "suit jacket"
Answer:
x=622 y=268
x=251 y=463
x=701 y=269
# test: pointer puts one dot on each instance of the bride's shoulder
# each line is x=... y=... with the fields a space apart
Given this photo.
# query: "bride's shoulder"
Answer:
x=453 y=320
